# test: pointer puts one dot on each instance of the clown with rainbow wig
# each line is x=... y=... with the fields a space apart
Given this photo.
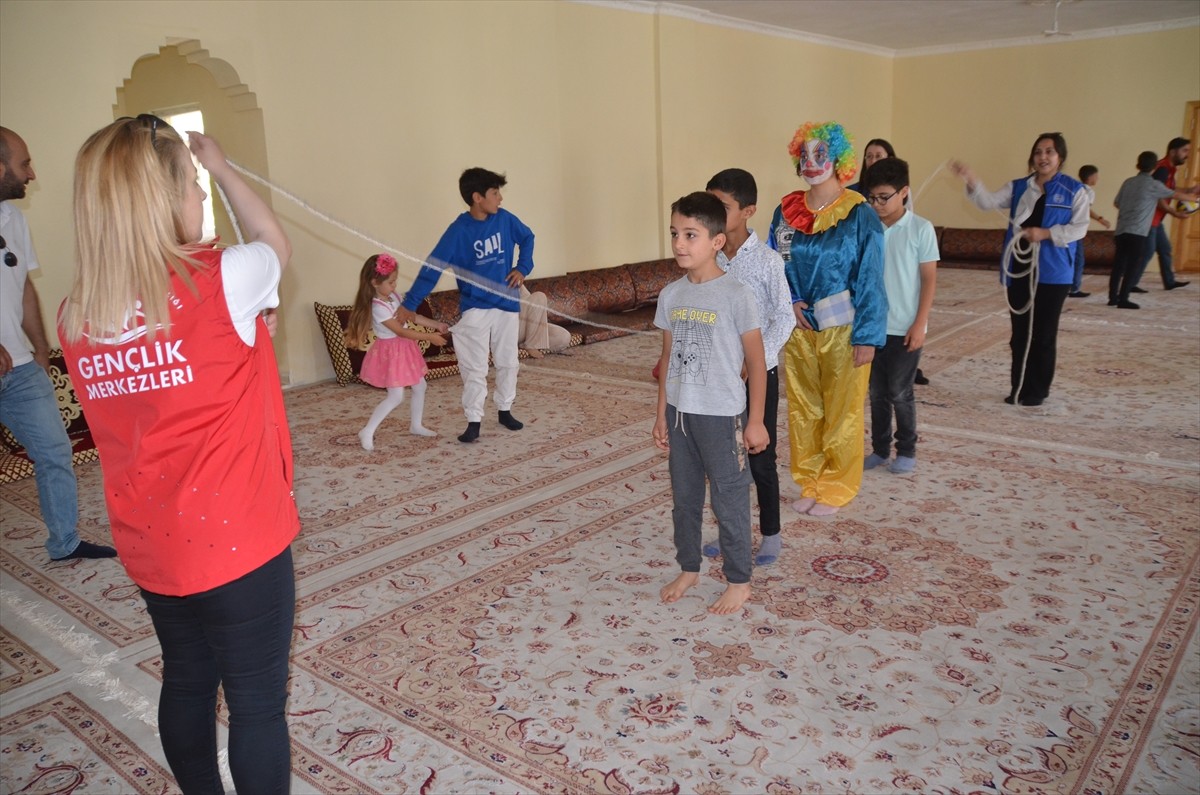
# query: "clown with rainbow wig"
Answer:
x=832 y=247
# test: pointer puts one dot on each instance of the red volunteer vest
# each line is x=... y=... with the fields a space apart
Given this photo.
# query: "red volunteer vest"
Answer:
x=1165 y=163
x=193 y=442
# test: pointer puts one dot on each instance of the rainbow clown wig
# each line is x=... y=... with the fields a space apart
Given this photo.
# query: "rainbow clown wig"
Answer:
x=841 y=147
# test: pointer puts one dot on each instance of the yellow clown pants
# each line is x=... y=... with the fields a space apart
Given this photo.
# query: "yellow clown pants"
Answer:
x=825 y=394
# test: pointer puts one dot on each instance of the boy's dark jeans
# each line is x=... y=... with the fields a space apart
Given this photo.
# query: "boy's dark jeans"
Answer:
x=891 y=390
x=763 y=466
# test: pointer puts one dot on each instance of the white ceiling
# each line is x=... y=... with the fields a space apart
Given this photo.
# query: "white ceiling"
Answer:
x=909 y=27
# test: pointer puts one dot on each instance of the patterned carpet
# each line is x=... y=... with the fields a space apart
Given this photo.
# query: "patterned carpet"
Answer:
x=1018 y=616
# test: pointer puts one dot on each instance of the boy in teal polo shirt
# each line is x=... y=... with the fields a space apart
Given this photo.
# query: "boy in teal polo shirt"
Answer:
x=909 y=274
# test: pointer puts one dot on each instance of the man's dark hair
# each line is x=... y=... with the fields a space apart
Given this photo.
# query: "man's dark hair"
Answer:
x=1147 y=161
x=1177 y=143
x=478 y=180
x=702 y=206
x=1085 y=172
x=891 y=171
x=738 y=183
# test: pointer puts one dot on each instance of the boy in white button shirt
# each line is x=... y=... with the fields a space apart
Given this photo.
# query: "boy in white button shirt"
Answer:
x=760 y=268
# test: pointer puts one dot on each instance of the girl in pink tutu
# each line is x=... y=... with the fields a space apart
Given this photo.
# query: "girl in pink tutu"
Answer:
x=394 y=361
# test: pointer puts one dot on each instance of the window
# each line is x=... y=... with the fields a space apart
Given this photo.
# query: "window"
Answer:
x=194 y=120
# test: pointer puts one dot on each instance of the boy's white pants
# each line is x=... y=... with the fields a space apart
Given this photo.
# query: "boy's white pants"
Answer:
x=477 y=333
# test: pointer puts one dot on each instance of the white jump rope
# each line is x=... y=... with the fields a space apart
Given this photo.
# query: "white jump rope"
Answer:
x=380 y=245
x=1012 y=252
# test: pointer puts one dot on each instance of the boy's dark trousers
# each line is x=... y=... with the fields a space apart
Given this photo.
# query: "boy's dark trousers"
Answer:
x=1125 y=271
x=709 y=448
x=763 y=466
x=891 y=389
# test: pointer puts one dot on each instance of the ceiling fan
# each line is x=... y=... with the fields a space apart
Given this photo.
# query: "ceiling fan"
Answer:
x=1054 y=31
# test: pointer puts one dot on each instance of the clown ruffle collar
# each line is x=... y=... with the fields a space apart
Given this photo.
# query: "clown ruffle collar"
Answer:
x=799 y=217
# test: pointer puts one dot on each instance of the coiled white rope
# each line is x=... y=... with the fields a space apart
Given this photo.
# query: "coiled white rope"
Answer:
x=382 y=246
x=1015 y=252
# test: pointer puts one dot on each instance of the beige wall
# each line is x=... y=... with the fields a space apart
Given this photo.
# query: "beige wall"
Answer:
x=730 y=98
x=1111 y=98
x=599 y=116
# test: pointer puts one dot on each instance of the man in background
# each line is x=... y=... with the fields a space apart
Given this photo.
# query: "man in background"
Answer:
x=28 y=407
x=1157 y=241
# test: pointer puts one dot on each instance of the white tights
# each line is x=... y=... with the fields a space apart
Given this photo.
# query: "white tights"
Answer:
x=395 y=396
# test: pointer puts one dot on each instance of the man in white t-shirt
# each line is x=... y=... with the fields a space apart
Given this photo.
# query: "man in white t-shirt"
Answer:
x=28 y=407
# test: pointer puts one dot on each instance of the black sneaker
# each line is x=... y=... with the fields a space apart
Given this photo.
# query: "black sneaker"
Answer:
x=1127 y=305
x=1137 y=290
x=1176 y=285
x=89 y=550
x=1078 y=294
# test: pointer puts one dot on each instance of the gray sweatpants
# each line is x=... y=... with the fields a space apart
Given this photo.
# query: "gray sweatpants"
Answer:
x=710 y=447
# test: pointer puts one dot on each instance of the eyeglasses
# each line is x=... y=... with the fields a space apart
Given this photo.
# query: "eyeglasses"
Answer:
x=880 y=199
x=10 y=259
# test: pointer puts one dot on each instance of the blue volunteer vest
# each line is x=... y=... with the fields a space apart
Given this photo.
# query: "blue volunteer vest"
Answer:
x=1056 y=264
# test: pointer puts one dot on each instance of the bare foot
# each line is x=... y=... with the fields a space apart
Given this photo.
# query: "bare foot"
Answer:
x=732 y=600
x=678 y=587
x=803 y=504
x=534 y=353
x=821 y=509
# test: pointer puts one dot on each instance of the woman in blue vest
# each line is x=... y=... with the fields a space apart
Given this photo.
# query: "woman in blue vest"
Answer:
x=1049 y=210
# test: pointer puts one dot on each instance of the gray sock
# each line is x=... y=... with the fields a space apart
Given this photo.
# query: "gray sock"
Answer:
x=768 y=551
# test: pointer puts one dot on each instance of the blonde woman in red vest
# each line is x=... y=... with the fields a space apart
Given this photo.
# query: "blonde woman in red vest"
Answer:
x=177 y=376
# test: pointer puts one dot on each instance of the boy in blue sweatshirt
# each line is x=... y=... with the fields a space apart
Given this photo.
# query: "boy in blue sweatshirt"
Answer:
x=479 y=246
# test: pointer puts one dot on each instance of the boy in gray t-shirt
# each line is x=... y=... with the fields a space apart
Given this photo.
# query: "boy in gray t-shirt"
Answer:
x=710 y=330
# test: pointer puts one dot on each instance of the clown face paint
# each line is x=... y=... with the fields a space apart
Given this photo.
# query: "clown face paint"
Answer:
x=815 y=164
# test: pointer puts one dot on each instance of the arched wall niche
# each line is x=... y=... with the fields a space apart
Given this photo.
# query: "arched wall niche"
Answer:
x=183 y=76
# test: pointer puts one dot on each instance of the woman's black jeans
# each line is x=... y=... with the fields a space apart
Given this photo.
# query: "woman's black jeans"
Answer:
x=237 y=635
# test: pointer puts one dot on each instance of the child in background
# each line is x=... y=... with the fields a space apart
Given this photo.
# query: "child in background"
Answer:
x=910 y=258
x=760 y=268
x=538 y=334
x=479 y=246
x=876 y=149
x=1089 y=176
x=394 y=361
x=710 y=330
